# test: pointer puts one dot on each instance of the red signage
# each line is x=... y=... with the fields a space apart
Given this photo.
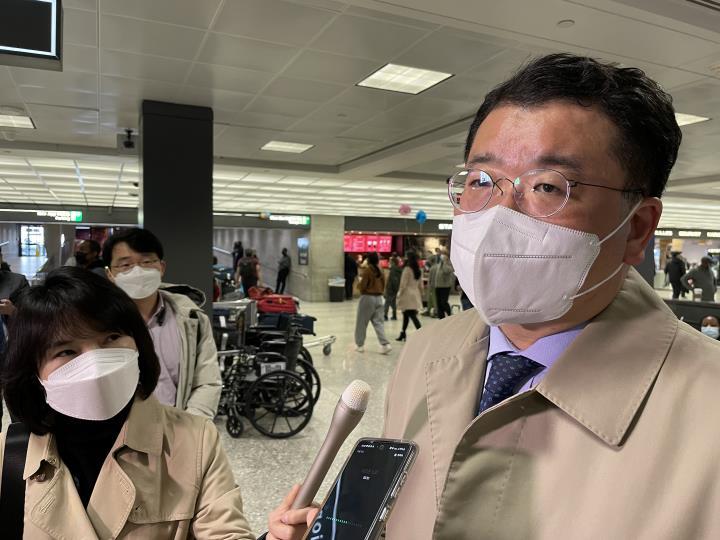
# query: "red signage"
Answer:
x=364 y=243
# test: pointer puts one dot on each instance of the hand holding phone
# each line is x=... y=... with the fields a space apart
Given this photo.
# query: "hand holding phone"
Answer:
x=363 y=494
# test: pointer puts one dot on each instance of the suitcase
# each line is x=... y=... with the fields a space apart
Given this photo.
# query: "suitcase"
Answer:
x=277 y=303
x=256 y=293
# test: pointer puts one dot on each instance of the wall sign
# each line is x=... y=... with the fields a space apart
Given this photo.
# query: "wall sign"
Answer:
x=303 y=245
x=292 y=220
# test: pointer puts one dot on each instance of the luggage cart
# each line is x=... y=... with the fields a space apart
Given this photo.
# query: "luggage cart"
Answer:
x=325 y=341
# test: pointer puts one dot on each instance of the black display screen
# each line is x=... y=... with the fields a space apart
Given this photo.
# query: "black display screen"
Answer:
x=358 y=495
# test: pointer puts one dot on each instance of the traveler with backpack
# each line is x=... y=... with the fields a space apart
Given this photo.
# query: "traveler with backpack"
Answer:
x=248 y=270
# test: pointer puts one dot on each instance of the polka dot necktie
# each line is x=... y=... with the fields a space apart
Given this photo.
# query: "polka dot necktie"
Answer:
x=508 y=373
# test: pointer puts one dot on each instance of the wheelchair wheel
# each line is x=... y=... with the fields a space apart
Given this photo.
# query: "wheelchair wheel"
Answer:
x=279 y=404
x=310 y=376
x=327 y=350
x=305 y=355
x=234 y=426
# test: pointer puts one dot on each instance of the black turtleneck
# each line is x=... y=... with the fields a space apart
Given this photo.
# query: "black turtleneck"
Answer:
x=83 y=446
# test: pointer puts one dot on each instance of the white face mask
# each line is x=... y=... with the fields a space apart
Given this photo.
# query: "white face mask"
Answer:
x=518 y=269
x=712 y=331
x=94 y=386
x=139 y=282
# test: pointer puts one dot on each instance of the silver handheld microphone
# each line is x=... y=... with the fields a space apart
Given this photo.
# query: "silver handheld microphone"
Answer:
x=348 y=412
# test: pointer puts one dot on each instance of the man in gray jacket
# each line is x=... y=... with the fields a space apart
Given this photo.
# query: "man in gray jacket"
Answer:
x=701 y=277
x=182 y=333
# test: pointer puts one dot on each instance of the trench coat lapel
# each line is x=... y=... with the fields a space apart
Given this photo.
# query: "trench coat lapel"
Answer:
x=453 y=386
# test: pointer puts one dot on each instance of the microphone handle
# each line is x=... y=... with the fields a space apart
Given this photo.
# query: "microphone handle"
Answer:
x=343 y=422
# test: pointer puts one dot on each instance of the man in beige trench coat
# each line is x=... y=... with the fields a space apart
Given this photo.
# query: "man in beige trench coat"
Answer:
x=611 y=429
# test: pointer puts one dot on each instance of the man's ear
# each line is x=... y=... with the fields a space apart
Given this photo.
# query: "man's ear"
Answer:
x=163 y=267
x=109 y=274
x=642 y=226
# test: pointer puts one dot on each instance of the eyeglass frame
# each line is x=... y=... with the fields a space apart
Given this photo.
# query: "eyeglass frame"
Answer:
x=130 y=266
x=570 y=184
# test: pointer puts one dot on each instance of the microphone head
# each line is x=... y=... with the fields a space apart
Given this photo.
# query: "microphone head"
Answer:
x=356 y=395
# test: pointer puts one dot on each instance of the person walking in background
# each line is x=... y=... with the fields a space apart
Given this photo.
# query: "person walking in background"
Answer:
x=370 y=308
x=88 y=257
x=432 y=266
x=237 y=253
x=701 y=277
x=248 y=271
x=284 y=266
x=675 y=270
x=392 y=286
x=409 y=298
x=444 y=281
x=351 y=272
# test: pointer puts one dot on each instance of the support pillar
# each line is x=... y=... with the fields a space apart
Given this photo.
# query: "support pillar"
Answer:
x=176 y=158
x=326 y=254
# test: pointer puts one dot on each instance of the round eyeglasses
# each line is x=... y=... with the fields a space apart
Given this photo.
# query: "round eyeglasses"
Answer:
x=537 y=193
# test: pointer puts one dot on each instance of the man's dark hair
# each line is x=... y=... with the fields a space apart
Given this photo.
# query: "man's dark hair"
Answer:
x=140 y=240
x=94 y=246
x=70 y=304
x=642 y=111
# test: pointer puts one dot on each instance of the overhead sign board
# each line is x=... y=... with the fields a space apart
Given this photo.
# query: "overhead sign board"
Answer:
x=31 y=33
x=292 y=220
x=75 y=216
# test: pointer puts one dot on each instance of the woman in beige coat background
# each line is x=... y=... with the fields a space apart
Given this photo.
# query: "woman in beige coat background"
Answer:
x=409 y=298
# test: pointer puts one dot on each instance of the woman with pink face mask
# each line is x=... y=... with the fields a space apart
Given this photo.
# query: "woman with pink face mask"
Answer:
x=104 y=458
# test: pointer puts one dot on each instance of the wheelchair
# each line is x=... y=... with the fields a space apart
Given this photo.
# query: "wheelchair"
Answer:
x=268 y=377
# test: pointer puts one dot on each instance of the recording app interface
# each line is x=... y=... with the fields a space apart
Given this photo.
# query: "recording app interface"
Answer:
x=358 y=494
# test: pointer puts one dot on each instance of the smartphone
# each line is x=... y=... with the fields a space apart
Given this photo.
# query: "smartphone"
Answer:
x=360 y=501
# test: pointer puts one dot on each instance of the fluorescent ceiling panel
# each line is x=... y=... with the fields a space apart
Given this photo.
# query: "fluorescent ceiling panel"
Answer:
x=290 y=147
x=13 y=121
x=687 y=119
x=404 y=79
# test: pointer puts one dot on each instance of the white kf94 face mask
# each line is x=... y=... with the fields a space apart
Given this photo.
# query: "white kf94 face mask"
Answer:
x=94 y=386
x=518 y=269
x=139 y=282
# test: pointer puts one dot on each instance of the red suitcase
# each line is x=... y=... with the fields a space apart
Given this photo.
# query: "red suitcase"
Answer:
x=277 y=303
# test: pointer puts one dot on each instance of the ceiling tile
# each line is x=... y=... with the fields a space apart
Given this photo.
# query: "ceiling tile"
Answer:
x=366 y=38
x=80 y=4
x=124 y=64
x=434 y=108
x=389 y=17
x=59 y=97
x=226 y=78
x=460 y=88
x=42 y=79
x=182 y=12
x=80 y=58
x=446 y=51
x=307 y=90
x=254 y=120
x=79 y=27
x=324 y=66
x=208 y=97
x=133 y=35
x=371 y=99
x=61 y=119
x=245 y=53
x=272 y=20
x=500 y=67
x=282 y=106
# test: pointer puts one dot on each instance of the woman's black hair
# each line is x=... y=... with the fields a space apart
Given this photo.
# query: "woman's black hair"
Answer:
x=70 y=304
x=412 y=262
x=373 y=261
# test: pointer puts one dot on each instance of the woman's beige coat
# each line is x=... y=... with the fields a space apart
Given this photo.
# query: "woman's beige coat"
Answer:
x=167 y=477
x=409 y=295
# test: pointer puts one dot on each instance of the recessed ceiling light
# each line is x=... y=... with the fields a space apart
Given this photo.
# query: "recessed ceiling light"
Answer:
x=687 y=119
x=293 y=148
x=566 y=23
x=460 y=166
x=16 y=121
x=404 y=79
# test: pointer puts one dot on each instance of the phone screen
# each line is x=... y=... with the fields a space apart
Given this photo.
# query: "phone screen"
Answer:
x=360 y=491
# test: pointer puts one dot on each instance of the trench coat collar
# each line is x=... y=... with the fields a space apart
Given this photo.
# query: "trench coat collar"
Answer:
x=603 y=378
x=143 y=429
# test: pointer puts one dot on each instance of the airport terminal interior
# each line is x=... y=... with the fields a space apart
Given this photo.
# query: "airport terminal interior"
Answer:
x=276 y=145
